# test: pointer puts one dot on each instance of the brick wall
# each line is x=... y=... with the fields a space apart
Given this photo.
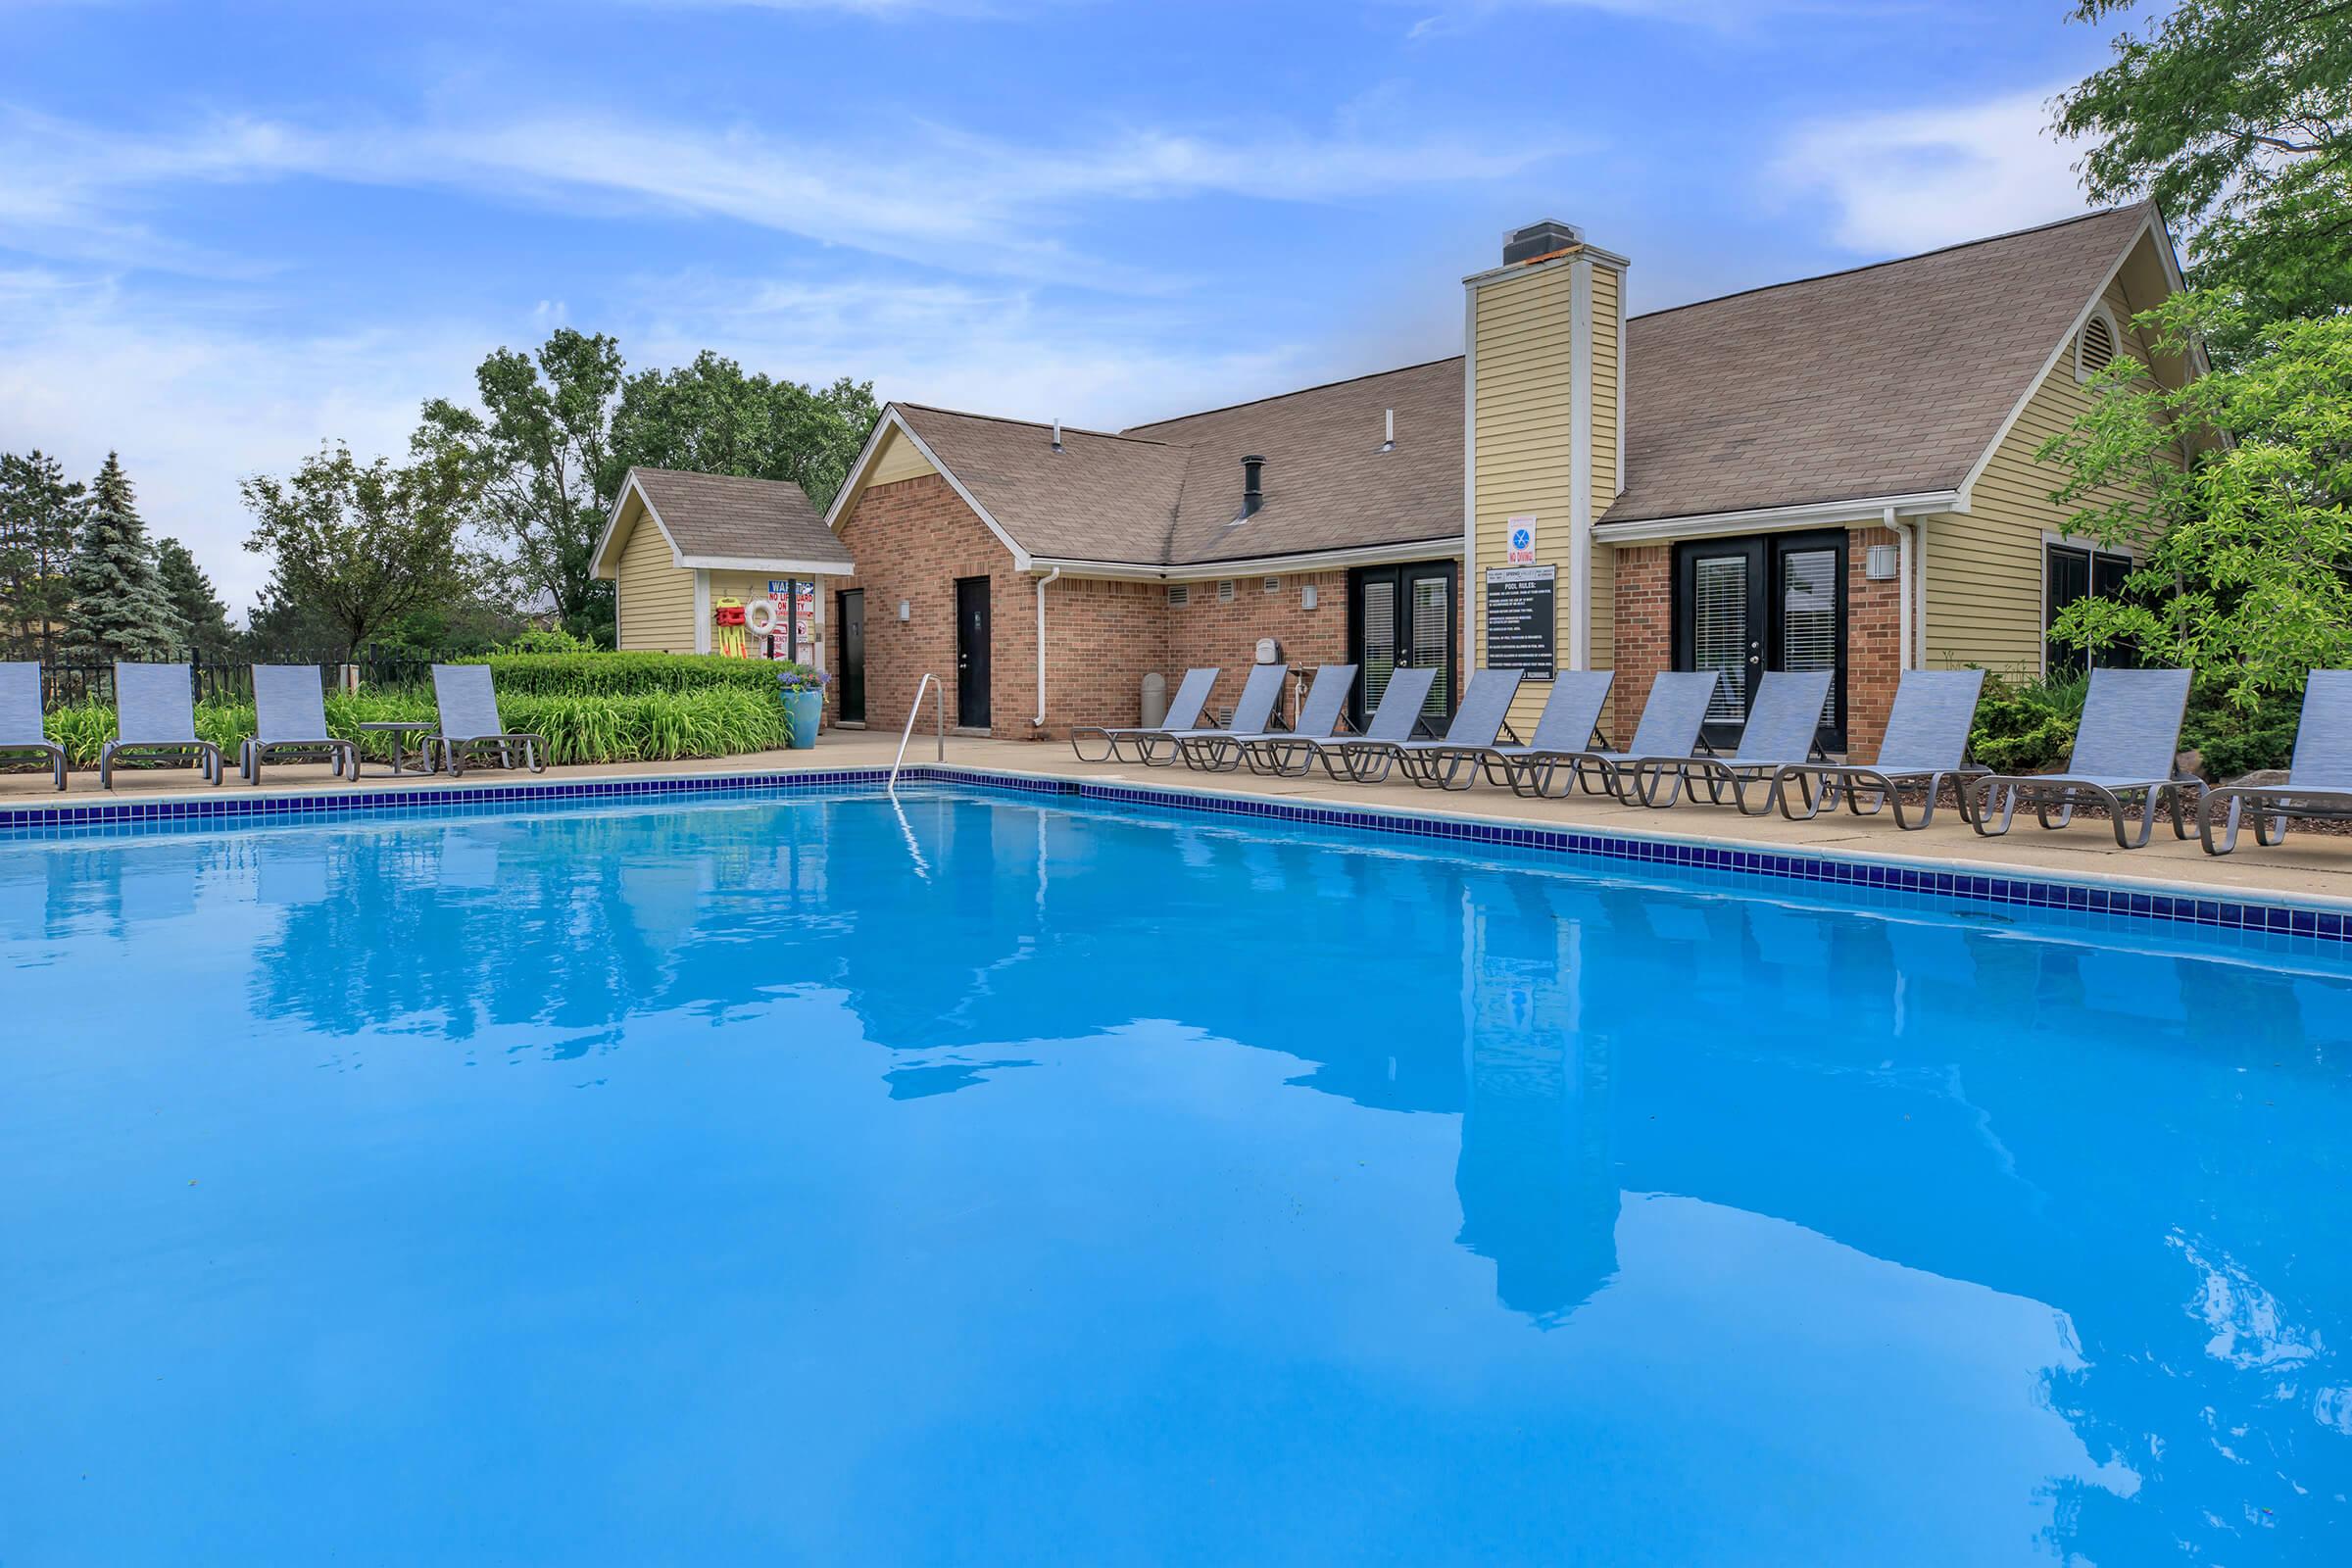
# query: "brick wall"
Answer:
x=1209 y=632
x=1874 y=664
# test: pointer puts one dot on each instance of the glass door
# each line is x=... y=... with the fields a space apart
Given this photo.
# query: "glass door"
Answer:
x=1403 y=617
x=1768 y=602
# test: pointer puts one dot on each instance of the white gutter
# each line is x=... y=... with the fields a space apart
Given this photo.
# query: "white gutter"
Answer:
x=1039 y=721
x=1812 y=514
x=1255 y=566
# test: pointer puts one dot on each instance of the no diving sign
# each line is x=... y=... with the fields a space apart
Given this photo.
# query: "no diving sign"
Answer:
x=1519 y=534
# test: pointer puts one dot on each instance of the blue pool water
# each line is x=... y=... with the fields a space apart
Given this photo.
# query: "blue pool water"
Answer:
x=801 y=1181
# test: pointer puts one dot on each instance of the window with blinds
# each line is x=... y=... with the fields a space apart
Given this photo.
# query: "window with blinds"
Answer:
x=1809 y=616
x=1431 y=605
x=1719 y=632
x=1379 y=637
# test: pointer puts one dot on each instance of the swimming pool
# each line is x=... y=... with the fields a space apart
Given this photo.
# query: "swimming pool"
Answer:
x=999 y=1179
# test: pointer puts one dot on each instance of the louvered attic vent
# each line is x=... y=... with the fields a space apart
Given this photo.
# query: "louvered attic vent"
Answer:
x=1180 y=594
x=2094 y=346
x=1225 y=591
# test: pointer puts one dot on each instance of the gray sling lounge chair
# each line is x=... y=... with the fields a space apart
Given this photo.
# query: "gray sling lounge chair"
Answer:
x=1451 y=762
x=1925 y=747
x=1671 y=725
x=470 y=722
x=1318 y=717
x=155 y=720
x=1207 y=745
x=289 y=724
x=1569 y=722
x=1345 y=757
x=2319 y=781
x=2125 y=747
x=1184 y=712
x=1784 y=727
x=21 y=734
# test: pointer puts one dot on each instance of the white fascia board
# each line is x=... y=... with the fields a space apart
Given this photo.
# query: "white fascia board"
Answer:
x=1469 y=594
x=856 y=477
x=1580 y=465
x=893 y=419
x=1771 y=519
x=1442 y=548
x=620 y=504
x=2017 y=410
x=792 y=568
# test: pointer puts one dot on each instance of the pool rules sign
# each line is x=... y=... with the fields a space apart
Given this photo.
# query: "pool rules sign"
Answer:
x=1520 y=619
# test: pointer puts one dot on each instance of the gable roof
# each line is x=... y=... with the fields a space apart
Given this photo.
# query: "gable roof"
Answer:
x=1884 y=380
x=719 y=521
x=1892 y=379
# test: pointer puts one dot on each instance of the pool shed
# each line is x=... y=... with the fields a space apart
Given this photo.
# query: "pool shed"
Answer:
x=680 y=547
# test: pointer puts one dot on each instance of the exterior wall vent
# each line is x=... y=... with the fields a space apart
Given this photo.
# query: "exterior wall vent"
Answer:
x=1180 y=594
x=2095 y=345
x=1272 y=585
x=1225 y=591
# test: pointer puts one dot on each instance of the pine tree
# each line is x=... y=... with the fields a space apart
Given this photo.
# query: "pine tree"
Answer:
x=120 y=611
x=192 y=598
x=40 y=514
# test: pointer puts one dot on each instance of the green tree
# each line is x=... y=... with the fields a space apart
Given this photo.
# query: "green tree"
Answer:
x=40 y=514
x=710 y=418
x=362 y=545
x=2246 y=564
x=119 y=608
x=2236 y=116
x=192 y=598
x=532 y=457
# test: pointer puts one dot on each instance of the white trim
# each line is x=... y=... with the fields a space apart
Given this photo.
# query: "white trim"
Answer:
x=1620 y=490
x=2152 y=229
x=2066 y=541
x=604 y=541
x=792 y=568
x=891 y=417
x=1918 y=592
x=1906 y=550
x=701 y=611
x=1772 y=519
x=1578 y=252
x=1469 y=592
x=2105 y=316
x=1438 y=549
x=1580 y=463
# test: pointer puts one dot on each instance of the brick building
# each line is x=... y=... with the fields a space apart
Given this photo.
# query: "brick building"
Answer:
x=1836 y=472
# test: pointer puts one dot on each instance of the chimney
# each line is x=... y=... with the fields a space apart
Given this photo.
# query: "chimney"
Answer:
x=1545 y=238
x=1253 y=494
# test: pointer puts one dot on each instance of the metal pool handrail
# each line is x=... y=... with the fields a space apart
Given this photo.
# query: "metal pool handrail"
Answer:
x=930 y=683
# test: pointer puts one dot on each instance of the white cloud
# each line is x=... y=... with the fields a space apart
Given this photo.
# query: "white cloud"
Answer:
x=1914 y=180
x=1738 y=17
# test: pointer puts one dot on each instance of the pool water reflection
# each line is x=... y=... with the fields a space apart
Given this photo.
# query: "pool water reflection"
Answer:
x=984 y=1182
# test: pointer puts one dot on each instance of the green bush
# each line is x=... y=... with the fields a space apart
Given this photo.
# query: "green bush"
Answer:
x=2026 y=726
x=627 y=675
x=644 y=726
x=2235 y=741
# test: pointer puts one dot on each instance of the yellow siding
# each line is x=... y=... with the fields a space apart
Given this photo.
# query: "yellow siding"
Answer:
x=1606 y=284
x=655 y=597
x=1984 y=569
x=897 y=460
x=1523 y=381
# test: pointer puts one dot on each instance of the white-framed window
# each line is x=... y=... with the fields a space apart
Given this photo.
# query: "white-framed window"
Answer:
x=2097 y=344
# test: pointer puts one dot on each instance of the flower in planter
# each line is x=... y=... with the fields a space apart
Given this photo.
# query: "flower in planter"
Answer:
x=802 y=679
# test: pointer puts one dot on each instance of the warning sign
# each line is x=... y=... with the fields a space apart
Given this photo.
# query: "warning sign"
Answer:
x=1519 y=541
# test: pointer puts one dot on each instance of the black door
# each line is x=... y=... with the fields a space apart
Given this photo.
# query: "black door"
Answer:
x=971 y=653
x=1403 y=617
x=1771 y=602
x=849 y=691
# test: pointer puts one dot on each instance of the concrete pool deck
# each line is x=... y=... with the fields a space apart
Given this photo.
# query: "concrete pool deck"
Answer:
x=2307 y=867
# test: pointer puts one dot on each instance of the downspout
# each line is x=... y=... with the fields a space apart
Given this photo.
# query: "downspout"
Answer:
x=1904 y=547
x=1039 y=723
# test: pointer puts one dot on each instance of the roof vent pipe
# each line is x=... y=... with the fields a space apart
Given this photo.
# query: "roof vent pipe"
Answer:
x=1253 y=495
x=1387 y=430
x=1058 y=434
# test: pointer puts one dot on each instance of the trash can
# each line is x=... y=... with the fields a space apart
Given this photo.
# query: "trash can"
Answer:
x=1155 y=700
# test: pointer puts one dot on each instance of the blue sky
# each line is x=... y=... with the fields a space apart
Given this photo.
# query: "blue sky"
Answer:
x=230 y=230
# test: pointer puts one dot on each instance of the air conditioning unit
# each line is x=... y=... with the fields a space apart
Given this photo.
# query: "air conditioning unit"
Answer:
x=1180 y=594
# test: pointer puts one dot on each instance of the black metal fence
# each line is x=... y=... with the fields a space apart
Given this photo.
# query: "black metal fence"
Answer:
x=231 y=679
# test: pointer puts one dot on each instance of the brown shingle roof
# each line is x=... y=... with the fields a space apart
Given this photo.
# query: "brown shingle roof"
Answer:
x=1890 y=380
x=1884 y=380
x=716 y=516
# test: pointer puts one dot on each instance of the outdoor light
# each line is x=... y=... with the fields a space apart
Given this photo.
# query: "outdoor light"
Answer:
x=1306 y=596
x=905 y=610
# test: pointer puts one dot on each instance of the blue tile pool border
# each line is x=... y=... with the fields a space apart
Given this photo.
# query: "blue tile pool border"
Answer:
x=2316 y=923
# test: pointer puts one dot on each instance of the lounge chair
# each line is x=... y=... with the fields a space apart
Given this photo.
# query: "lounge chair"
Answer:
x=1393 y=718
x=1672 y=724
x=470 y=722
x=1318 y=717
x=289 y=712
x=1260 y=692
x=155 y=721
x=1569 y=722
x=21 y=734
x=2127 y=746
x=1925 y=746
x=1784 y=727
x=1184 y=712
x=2319 y=781
x=1450 y=762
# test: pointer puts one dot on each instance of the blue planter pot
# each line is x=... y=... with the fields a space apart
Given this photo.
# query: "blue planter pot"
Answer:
x=802 y=710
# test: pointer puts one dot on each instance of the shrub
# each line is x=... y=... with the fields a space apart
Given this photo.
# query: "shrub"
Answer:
x=627 y=675
x=546 y=640
x=2026 y=726
x=2236 y=737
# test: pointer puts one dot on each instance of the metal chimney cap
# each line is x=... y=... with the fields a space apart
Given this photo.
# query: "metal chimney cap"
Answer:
x=1539 y=238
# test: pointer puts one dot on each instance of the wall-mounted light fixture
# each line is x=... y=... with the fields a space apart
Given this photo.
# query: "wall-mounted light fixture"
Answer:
x=1306 y=596
x=905 y=610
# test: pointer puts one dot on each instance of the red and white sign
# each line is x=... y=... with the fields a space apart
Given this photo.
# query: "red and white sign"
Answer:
x=1519 y=541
